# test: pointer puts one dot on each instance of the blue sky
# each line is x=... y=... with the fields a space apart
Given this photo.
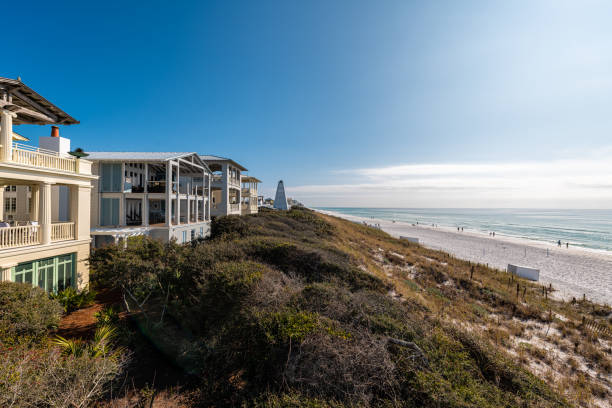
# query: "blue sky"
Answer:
x=373 y=103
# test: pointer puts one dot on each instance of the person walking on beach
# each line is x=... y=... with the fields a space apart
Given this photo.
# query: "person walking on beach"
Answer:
x=567 y=244
x=559 y=243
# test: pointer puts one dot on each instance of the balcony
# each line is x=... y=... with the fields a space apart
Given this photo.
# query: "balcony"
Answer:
x=15 y=237
x=234 y=207
x=28 y=235
x=62 y=231
x=47 y=159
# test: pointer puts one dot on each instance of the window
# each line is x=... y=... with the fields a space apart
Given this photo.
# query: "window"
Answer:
x=24 y=273
x=51 y=274
x=184 y=236
x=64 y=272
x=10 y=204
x=109 y=211
x=110 y=178
x=201 y=231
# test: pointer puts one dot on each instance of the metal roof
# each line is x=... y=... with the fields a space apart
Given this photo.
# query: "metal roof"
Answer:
x=144 y=156
x=30 y=107
x=211 y=158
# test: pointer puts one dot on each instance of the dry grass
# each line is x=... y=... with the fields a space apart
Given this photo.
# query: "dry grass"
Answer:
x=546 y=335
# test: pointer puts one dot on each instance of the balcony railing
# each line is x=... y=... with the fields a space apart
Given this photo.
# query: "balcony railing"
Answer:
x=234 y=207
x=27 y=235
x=48 y=159
x=62 y=231
x=14 y=237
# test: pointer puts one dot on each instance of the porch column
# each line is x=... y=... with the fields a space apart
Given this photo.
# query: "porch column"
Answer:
x=2 y=202
x=178 y=194
x=209 y=198
x=145 y=210
x=146 y=178
x=197 y=207
x=6 y=134
x=122 y=210
x=168 y=193
x=45 y=213
x=34 y=211
x=188 y=206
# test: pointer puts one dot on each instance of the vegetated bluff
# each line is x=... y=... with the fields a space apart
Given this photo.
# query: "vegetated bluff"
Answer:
x=291 y=308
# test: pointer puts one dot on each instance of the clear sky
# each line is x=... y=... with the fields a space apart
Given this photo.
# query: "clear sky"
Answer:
x=351 y=103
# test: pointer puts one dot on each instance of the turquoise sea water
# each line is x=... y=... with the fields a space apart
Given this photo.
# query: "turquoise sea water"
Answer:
x=585 y=228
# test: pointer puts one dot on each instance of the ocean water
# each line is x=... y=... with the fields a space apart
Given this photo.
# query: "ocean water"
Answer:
x=585 y=228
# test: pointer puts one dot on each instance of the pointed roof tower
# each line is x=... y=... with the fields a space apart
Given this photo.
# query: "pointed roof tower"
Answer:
x=280 y=201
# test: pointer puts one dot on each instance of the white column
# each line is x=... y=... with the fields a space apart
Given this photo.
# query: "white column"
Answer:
x=168 y=193
x=45 y=213
x=209 y=198
x=145 y=210
x=74 y=209
x=178 y=194
x=2 y=202
x=6 y=134
x=197 y=207
x=146 y=178
x=34 y=211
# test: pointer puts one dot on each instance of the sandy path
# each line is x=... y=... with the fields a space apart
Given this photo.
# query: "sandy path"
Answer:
x=572 y=272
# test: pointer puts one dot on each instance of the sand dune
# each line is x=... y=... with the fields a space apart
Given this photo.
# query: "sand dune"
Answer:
x=572 y=272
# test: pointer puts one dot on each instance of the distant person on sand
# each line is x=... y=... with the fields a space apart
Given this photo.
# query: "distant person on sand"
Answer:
x=559 y=243
x=567 y=244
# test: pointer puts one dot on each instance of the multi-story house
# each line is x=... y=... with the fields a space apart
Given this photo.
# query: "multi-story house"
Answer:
x=249 y=202
x=44 y=234
x=226 y=188
x=163 y=195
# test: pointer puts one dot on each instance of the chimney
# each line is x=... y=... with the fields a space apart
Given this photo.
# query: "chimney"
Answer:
x=54 y=131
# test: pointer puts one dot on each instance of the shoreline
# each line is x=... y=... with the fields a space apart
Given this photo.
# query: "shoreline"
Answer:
x=572 y=271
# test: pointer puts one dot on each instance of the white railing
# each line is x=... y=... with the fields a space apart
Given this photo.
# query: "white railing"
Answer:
x=37 y=157
x=234 y=207
x=62 y=231
x=13 y=237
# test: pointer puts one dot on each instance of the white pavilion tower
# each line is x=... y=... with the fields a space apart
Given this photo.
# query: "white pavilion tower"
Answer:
x=280 y=201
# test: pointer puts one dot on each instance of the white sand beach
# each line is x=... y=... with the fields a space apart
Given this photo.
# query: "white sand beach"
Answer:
x=572 y=271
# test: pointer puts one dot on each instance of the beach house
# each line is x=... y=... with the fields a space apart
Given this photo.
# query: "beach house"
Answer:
x=226 y=192
x=248 y=194
x=45 y=194
x=165 y=195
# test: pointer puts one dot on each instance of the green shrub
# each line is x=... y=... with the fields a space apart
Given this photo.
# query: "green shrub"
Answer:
x=26 y=313
x=289 y=326
x=230 y=226
x=107 y=316
x=73 y=300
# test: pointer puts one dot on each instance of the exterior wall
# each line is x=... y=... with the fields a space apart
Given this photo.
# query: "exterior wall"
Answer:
x=177 y=231
x=13 y=257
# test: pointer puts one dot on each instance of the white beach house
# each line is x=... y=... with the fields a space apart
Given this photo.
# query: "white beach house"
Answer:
x=165 y=195
x=248 y=194
x=44 y=219
x=226 y=193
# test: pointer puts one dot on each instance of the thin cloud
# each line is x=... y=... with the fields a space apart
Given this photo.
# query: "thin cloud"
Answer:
x=584 y=183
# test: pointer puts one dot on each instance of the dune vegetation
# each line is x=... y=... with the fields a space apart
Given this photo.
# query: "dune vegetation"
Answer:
x=299 y=309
